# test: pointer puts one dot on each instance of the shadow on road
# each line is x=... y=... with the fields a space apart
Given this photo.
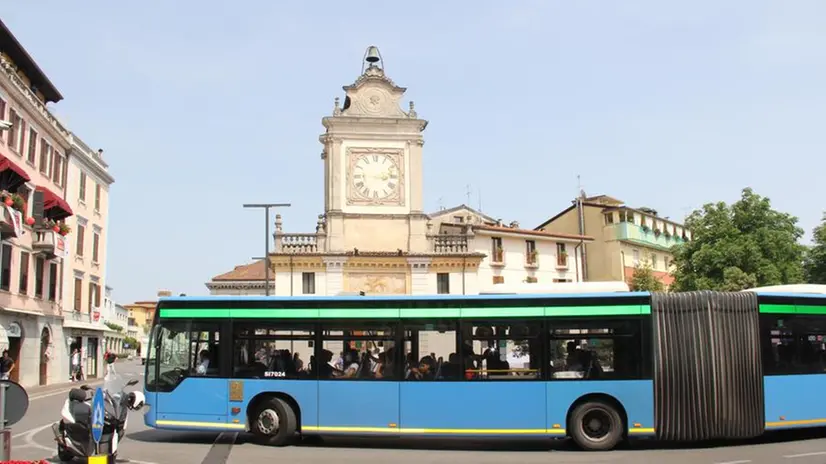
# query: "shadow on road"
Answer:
x=169 y=436
x=464 y=444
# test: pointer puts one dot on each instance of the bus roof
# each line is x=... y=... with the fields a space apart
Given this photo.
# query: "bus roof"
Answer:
x=531 y=296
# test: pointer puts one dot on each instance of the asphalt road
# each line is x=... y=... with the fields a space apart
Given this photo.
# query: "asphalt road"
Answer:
x=32 y=439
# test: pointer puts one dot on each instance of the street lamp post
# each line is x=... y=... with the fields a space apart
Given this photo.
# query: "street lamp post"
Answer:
x=266 y=207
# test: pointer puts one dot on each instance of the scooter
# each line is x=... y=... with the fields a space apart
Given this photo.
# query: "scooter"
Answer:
x=73 y=433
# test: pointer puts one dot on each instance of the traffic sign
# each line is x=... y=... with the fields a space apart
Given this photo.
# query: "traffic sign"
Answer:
x=16 y=402
x=97 y=415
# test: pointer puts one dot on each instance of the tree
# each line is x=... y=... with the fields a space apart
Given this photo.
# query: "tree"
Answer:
x=644 y=279
x=735 y=247
x=815 y=264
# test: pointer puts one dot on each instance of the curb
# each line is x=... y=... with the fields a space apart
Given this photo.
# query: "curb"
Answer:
x=58 y=387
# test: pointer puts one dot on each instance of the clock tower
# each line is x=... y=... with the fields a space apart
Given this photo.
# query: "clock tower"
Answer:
x=373 y=167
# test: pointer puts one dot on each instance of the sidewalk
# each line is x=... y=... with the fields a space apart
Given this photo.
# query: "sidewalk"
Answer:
x=55 y=387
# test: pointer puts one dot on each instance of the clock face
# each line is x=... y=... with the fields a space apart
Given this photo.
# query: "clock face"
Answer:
x=375 y=176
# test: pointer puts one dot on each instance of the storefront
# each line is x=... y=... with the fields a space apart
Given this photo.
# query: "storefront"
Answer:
x=30 y=337
x=87 y=338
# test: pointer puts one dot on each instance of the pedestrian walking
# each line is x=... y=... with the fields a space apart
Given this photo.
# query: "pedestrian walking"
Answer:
x=109 y=358
x=6 y=365
x=77 y=372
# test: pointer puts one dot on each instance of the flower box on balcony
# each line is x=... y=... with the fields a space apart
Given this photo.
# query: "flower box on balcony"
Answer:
x=531 y=280
x=50 y=243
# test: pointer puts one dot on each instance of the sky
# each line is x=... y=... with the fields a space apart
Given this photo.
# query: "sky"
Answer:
x=202 y=106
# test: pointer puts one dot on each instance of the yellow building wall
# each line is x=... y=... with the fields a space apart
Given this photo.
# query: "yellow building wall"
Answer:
x=602 y=261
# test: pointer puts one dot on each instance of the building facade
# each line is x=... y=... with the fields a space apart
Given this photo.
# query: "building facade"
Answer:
x=33 y=152
x=374 y=236
x=116 y=320
x=624 y=238
x=140 y=314
x=84 y=276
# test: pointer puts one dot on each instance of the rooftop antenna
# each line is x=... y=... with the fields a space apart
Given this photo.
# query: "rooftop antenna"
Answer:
x=441 y=204
x=467 y=192
x=479 y=193
x=580 y=192
x=372 y=56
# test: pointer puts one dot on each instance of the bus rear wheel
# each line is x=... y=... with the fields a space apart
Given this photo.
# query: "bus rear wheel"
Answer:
x=273 y=422
x=596 y=426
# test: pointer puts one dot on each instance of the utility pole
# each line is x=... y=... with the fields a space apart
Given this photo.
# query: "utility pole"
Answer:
x=266 y=207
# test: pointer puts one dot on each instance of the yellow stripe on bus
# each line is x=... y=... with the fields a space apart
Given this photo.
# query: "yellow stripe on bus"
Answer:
x=207 y=425
x=796 y=422
x=425 y=431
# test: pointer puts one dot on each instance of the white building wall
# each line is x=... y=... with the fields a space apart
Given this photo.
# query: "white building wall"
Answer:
x=283 y=288
x=514 y=268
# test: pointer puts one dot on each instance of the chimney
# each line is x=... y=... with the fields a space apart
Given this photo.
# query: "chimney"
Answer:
x=162 y=293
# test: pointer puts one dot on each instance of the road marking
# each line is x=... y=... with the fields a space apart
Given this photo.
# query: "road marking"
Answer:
x=33 y=431
x=744 y=461
x=29 y=439
x=804 y=455
x=62 y=391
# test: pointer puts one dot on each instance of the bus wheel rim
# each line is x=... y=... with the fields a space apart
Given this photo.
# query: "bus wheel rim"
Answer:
x=268 y=422
x=596 y=424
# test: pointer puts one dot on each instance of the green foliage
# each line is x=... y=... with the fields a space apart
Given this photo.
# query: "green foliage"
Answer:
x=746 y=244
x=644 y=279
x=815 y=264
x=133 y=343
x=113 y=326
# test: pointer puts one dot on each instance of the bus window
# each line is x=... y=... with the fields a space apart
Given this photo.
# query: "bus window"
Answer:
x=595 y=349
x=265 y=349
x=793 y=344
x=186 y=349
x=502 y=350
x=357 y=351
x=151 y=359
x=430 y=351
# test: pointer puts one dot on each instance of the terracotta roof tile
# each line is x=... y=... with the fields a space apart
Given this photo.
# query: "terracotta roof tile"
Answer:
x=253 y=271
x=537 y=233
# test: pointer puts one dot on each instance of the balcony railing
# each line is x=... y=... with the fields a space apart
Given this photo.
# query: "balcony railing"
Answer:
x=49 y=243
x=83 y=316
x=296 y=243
x=637 y=233
x=449 y=243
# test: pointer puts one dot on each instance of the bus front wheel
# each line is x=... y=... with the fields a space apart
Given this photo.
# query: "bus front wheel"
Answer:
x=273 y=422
x=596 y=426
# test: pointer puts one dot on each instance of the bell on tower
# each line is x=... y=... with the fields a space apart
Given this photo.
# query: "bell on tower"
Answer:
x=372 y=56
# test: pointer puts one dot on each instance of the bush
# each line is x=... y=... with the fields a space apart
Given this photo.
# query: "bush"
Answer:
x=123 y=355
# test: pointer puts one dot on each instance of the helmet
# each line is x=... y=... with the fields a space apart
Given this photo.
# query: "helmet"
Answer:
x=135 y=400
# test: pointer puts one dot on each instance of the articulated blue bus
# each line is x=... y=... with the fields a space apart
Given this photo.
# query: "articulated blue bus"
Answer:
x=598 y=368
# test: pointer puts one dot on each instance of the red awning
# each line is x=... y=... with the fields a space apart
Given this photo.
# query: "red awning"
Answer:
x=56 y=207
x=11 y=175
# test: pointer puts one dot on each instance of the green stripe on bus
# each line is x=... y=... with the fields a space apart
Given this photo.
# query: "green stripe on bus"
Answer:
x=619 y=310
x=273 y=313
x=358 y=313
x=199 y=313
x=412 y=313
x=429 y=313
x=777 y=309
x=811 y=309
x=513 y=311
